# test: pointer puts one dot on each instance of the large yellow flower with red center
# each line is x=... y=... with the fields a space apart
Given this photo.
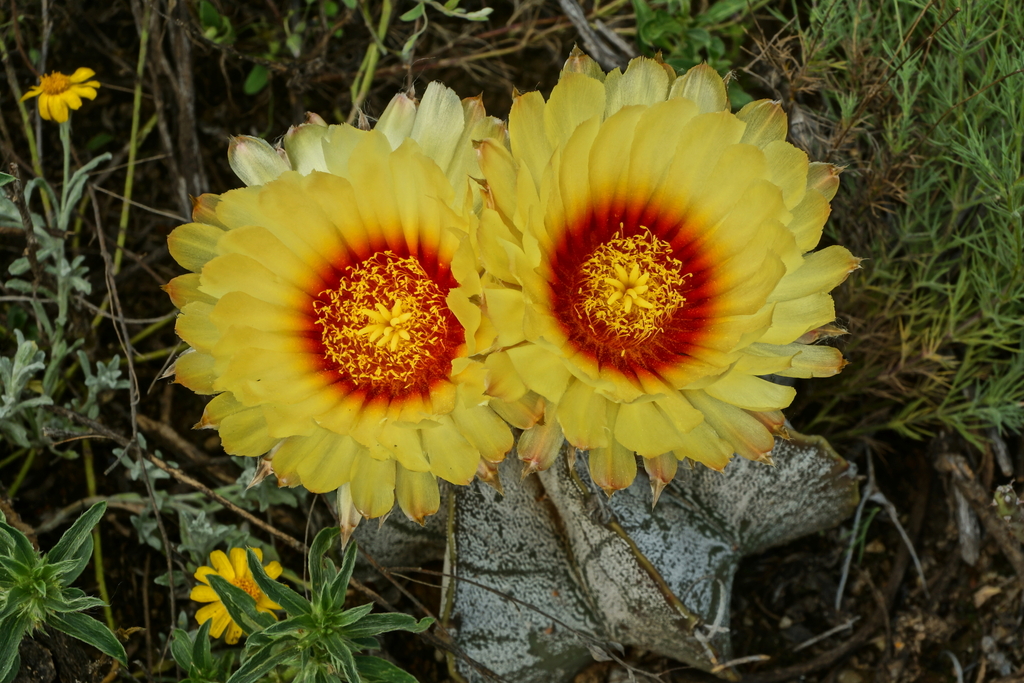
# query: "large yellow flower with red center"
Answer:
x=336 y=316
x=647 y=259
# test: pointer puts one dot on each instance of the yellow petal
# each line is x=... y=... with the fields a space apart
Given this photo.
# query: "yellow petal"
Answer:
x=582 y=415
x=482 y=427
x=193 y=245
x=239 y=562
x=439 y=123
x=541 y=370
x=747 y=436
x=540 y=445
x=703 y=445
x=821 y=271
x=223 y=565
x=644 y=82
x=203 y=594
x=273 y=569
x=575 y=99
x=795 y=317
x=750 y=393
x=417 y=494
x=196 y=371
x=703 y=86
x=522 y=413
x=451 y=456
x=373 y=486
x=766 y=122
x=642 y=428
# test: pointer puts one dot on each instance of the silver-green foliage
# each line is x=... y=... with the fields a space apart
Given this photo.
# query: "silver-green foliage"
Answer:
x=36 y=590
x=923 y=102
x=319 y=638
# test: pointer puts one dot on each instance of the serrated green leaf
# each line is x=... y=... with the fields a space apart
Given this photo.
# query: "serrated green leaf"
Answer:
x=377 y=670
x=293 y=603
x=366 y=643
x=90 y=631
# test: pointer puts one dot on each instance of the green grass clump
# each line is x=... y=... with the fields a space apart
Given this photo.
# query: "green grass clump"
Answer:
x=922 y=103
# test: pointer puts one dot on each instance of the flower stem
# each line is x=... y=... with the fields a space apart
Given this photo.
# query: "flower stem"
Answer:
x=133 y=142
x=367 y=70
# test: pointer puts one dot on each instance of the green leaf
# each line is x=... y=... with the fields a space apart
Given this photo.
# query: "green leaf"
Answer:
x=7 y=178
x=70 y=544
x=317 y=575
x=209 y=17
x=351 y=4
x=377 y=670
x=90 y=631
x=374 y=624
x=201 y=656
x=413 y=14
x=259 y=664
x=11 y=631
x=181 y=647
x=342 y=657
x=293 y=603
x=22 y=549
x=351 y=616
x=256 y=80
x=240 y=605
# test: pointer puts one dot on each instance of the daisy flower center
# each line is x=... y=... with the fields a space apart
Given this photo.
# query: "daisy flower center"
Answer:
x=629 y=287
x=54 y=84
x=385 y=322
x=249 y=586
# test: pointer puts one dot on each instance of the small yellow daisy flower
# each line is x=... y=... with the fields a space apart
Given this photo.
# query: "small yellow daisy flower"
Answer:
x=236 y=570
x=58 y=93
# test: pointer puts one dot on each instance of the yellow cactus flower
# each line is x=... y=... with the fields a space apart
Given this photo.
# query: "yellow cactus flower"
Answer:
x=59 y=93
x=648 y=263
x=336 y=316
x=235 y=571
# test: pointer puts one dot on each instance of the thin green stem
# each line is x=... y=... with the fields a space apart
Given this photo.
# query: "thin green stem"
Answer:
x=364 y=78
x=26 y=122
x=13 y=489
x=133 y=143
x=97 y=547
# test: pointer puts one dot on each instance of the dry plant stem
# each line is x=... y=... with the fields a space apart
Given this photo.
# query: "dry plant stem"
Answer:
x=183 y=478
x=121 y=329
x=80 y=506
x=981 y=502
x=879 y=618
x=32 y=244
x=133 y=139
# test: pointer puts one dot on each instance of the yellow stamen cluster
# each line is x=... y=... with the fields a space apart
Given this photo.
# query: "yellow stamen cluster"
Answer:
x=249 y=586
x=384 y=321
x=630 y=286
x=55 y=83
x=387 y=326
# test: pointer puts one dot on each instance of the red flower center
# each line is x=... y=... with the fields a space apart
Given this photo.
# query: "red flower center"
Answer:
x=386 y=328
x=628 y=295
